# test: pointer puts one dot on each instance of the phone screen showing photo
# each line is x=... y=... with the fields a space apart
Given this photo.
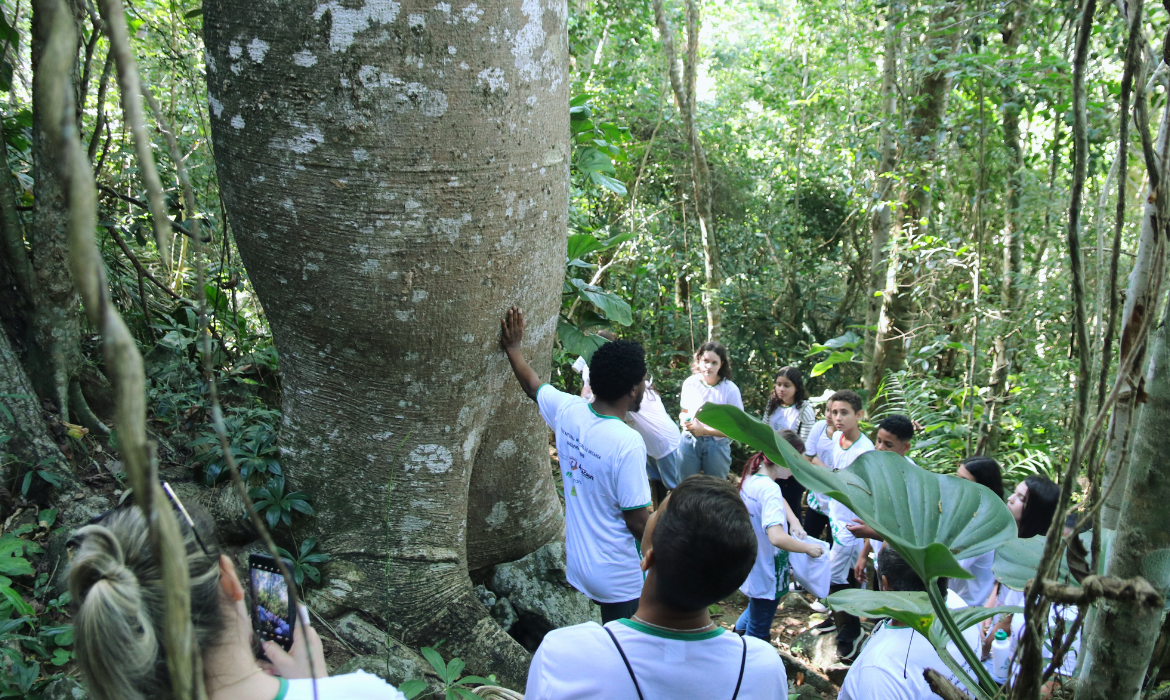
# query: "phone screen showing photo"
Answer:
x=270 y=607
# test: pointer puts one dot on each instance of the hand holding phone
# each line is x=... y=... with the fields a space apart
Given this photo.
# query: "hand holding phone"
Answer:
x=272 y=618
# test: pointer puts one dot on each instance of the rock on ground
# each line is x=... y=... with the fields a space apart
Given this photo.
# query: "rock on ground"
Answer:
x=536 y=589
x=379 y=653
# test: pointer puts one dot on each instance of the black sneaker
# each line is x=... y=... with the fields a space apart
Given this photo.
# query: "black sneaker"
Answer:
x=827 y=626
x=847 y=651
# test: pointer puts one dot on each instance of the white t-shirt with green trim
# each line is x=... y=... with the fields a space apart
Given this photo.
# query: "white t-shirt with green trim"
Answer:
x=582 y=663
x=768 y=578
x=842 y=458
x=603 y=468
x=819 y=444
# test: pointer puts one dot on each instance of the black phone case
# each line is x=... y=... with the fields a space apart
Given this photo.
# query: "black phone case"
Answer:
x=263 y=628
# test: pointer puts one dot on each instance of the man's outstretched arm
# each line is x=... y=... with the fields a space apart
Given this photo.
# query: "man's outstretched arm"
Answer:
x=511 y=333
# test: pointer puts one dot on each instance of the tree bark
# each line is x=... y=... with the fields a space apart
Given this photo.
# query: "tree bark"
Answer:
x=1005 y=343
x=930 y=103
x=1145 y=284
x=1124 y=634
x=56 y=323
x=397 y=178
x=684 y=99
x=883 y=187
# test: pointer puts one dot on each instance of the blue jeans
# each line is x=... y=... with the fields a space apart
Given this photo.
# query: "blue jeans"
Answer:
x=757 y=619
x=709 y=455
x=665 y=469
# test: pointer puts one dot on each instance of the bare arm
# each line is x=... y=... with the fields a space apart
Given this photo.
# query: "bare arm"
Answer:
x=511 y=333
x=636 y=520
x=785 y=541
x=794 y=525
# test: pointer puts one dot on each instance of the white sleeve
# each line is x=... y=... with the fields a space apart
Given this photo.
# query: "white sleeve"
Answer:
x=688 y=398
x=772 y=511
x=814 y=436
x=633 y=486
x=551 y=401
x=735 y=398
x=537 y=689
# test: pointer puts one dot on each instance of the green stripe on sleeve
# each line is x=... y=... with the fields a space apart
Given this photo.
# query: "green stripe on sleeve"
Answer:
x=644 y=505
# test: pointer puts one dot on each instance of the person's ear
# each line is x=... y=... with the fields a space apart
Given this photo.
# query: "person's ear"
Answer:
x=885 y=584
x=647 y=558
x=228 y=580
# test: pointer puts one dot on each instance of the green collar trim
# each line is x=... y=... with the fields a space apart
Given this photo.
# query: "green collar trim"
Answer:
x=679 y=636
x=601 y=416
x=283 y=689
x=644 y=505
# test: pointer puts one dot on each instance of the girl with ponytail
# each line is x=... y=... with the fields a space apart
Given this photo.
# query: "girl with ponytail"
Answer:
x=778 y=532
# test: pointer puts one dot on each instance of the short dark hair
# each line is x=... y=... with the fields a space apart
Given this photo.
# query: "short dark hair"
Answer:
x=1040 y=507
x=899 y=575
x=986 y=472
x=616 y=368
x=720 y=350
x=899 y=426
x=849 y=397
x=704 y=544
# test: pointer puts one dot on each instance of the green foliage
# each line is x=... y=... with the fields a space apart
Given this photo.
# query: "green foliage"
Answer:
x=278 y=506
x=304 y=564
x=252 y=435
x=453 y=687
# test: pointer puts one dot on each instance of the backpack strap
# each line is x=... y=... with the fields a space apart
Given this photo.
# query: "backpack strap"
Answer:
x=742 y=664
x=631 y=668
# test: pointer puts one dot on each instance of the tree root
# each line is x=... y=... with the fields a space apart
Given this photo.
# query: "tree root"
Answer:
x=82 y=412
x=472 y=635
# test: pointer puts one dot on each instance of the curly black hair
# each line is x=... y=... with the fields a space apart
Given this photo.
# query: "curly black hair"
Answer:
x=616 y=368
x=899 y=426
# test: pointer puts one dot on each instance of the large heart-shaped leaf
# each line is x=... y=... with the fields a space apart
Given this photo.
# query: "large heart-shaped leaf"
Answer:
x=932 y=519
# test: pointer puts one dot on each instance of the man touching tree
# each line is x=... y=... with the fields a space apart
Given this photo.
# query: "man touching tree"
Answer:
x=603 y=468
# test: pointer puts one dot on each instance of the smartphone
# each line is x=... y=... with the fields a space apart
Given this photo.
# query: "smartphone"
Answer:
x=272 y=617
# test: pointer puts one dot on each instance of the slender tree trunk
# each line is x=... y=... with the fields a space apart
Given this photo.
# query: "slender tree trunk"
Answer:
x=1145 y=283
x=396 y=181
x=1118 y=651
x=884 y=186
x=895 y=317
x=56 y=322
x=1005 y=343
x=684 y=98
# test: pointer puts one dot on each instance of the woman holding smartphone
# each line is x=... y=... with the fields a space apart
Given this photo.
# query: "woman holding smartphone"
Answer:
x=703 y=448
x=117 y=591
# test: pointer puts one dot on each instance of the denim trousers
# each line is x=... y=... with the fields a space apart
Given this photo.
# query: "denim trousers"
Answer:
x=709 y=455
x=757 y=619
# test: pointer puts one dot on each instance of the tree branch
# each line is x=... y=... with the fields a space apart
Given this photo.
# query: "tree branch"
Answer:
x=943 y=687
x=1135 y=590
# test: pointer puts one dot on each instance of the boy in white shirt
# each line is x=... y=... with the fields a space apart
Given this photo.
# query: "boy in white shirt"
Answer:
x=603 y=468
x=657 y=428
x=844 y=411
x=698 y=547
x=891 y=664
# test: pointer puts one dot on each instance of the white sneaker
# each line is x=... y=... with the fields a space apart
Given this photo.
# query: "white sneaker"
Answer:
x=819 y=607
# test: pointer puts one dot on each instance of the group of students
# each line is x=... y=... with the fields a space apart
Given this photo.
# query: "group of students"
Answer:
x=652 y=624
x=654 y=565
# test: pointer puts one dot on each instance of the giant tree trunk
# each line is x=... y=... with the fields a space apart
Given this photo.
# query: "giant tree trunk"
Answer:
x=1005 y=342
x=683 y=87
x=1119 y=649
x=930 y=103
x=883 y=187
x=397 y=178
